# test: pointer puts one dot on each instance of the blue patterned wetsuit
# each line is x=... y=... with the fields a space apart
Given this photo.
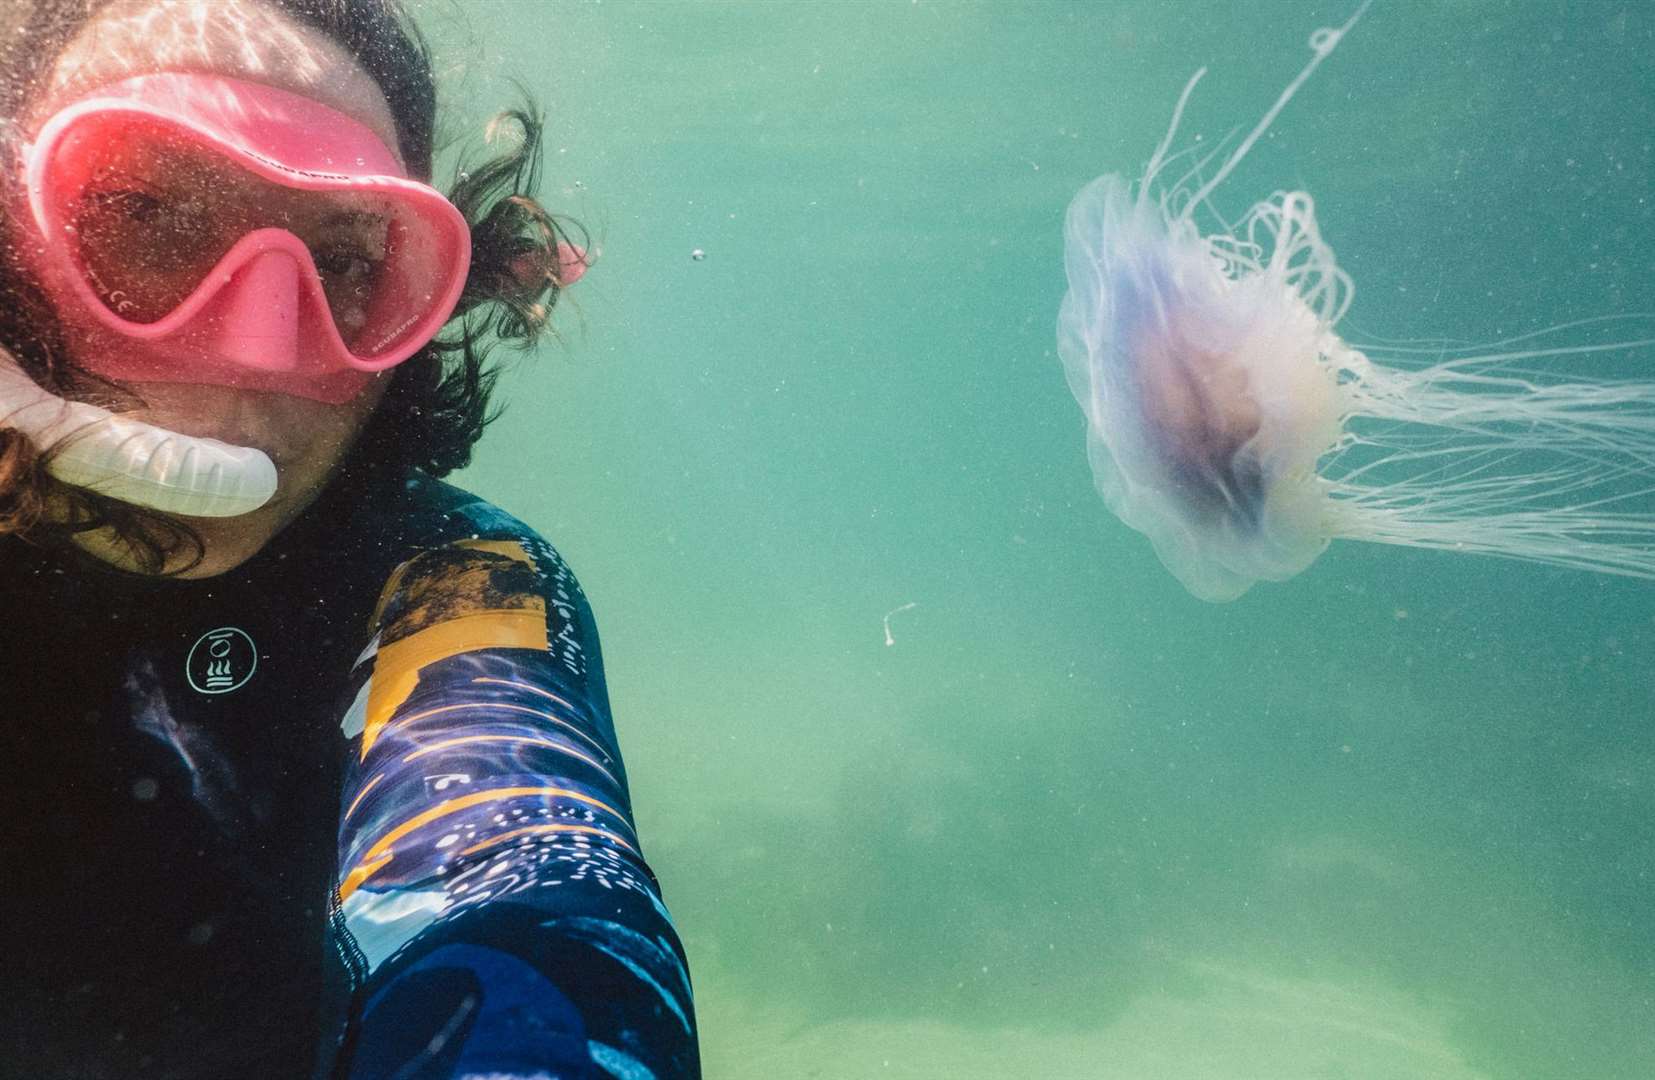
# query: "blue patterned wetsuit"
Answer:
x=400 y=705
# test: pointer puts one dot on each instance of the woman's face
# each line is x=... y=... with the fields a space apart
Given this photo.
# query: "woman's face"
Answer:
x=239 y=38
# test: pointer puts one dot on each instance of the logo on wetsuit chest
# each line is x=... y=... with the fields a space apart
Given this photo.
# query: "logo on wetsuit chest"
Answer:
x=221 y=660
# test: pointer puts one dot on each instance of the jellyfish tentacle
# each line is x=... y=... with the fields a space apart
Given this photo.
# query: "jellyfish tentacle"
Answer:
x=1174 y=196
x=1549 y=468
x=1397 y=348
x=1328 y=42
x=1158 y=159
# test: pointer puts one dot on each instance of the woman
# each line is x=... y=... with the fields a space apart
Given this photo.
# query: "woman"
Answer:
x=310 y=765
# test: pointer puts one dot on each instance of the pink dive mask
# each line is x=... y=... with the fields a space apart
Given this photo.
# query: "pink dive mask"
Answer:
x=202 y=229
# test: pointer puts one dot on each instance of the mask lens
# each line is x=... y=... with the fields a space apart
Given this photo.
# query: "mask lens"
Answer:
x=150 y=213
x=147 y=225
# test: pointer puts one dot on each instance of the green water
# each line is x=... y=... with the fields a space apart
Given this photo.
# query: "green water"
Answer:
x=1394 y=818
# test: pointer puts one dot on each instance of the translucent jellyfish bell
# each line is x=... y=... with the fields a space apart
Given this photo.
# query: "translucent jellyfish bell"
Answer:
x=1229 y=423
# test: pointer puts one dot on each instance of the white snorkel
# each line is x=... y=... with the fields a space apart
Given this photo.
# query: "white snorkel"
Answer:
x=130 y=460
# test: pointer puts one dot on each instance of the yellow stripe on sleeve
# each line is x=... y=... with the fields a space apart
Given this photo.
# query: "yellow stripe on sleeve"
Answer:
x=397 y=665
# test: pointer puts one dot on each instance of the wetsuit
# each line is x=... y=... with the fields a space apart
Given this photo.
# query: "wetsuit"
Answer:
x=353 y=810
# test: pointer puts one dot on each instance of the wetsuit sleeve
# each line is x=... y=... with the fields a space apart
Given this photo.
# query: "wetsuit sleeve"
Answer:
x=494 y=908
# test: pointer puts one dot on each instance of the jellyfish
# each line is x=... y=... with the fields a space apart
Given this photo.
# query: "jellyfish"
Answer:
x=1229 y=422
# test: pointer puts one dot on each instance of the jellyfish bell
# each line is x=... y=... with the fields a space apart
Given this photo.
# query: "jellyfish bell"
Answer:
x=1207 y=394
x=1229 y=422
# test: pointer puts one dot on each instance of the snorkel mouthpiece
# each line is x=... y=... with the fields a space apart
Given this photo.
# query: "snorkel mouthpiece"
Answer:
x=132 y=461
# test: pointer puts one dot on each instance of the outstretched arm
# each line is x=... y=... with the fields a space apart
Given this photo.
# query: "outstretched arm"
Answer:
x=496 y=914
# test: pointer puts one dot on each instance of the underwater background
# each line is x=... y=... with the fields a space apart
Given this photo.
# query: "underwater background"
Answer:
x=1393 y=818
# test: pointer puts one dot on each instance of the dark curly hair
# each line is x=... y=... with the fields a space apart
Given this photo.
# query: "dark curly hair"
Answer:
x=437 y=403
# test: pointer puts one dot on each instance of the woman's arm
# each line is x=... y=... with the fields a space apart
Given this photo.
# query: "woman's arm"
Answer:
x=496 y=913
